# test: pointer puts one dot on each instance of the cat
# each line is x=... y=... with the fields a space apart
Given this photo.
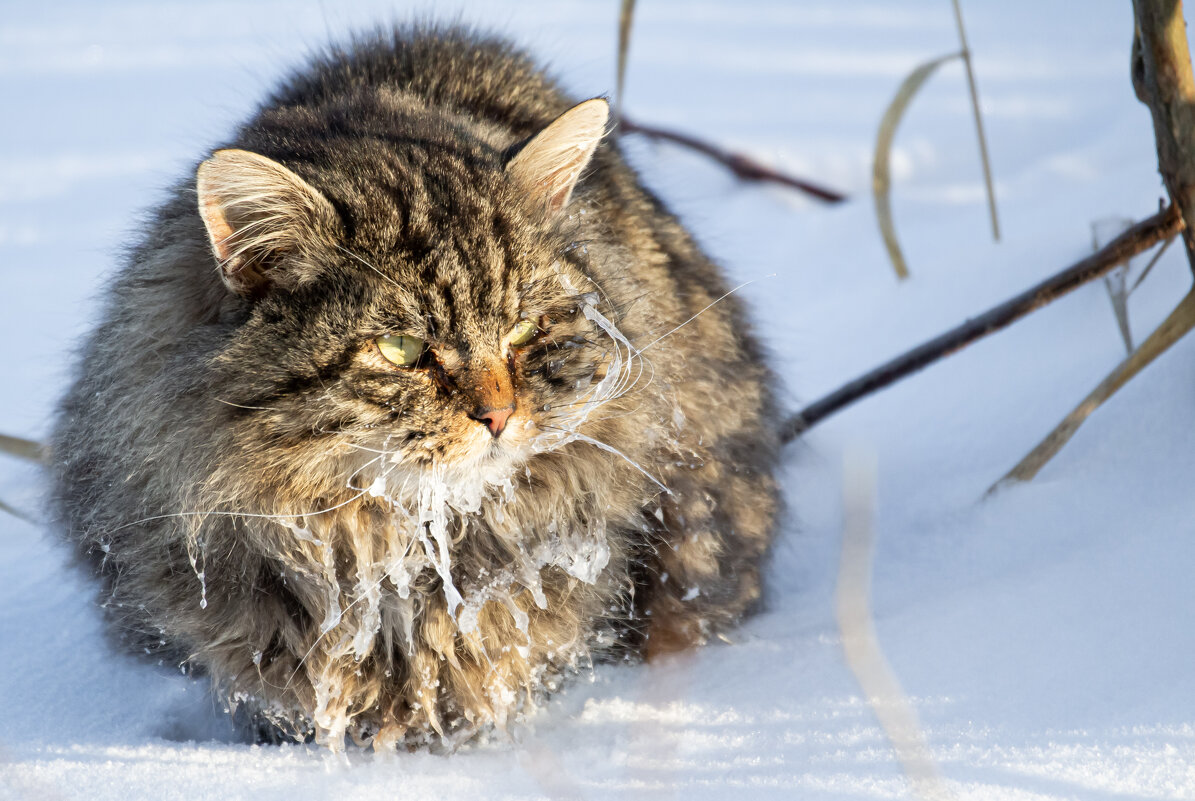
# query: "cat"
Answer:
x=412 y=402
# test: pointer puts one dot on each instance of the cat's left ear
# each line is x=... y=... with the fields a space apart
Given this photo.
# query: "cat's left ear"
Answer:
x=548 y=166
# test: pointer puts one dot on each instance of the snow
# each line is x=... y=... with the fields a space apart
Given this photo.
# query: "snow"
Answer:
x=1043 y=635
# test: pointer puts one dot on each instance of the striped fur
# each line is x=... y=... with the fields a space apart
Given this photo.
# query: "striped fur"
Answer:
x=340 y=543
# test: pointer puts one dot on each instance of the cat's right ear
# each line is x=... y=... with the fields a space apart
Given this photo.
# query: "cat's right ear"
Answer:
x=256 y=213
x=551 y=163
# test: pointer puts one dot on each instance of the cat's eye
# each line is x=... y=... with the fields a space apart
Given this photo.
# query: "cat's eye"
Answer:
x=523 y=332
x=401 y=349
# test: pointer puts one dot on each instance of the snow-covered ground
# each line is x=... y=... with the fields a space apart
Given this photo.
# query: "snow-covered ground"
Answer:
x=1045 y=635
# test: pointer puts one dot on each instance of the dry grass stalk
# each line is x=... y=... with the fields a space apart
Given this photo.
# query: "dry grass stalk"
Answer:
x=1156 y=258
x=881 y=179
x=983 y=143
x=1172 y=329
x=25 y=449
x=625 y=18
x=4 y=507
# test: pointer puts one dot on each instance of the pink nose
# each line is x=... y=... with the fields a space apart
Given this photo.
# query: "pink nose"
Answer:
x=495 y=419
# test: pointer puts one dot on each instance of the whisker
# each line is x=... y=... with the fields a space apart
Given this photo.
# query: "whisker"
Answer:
x=239 y=514
x=611 y=449
x=353 y=255
x=241 y=406
x=703 y=311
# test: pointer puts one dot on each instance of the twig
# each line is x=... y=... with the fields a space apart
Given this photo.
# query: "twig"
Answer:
x=983 y=143
x=25 y=449
x=1156 y=257
x=742 y=166
x=1140 y=237
x=1180 y=321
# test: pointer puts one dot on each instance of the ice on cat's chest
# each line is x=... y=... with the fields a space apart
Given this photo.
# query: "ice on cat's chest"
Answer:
x=432 y=506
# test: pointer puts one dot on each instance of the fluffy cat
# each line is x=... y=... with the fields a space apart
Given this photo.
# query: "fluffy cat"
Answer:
x=412 y=402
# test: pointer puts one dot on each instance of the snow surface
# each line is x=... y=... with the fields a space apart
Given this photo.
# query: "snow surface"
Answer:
x=1044 y=635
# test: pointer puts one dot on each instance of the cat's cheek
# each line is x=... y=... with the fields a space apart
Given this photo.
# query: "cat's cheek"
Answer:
x=521 y=428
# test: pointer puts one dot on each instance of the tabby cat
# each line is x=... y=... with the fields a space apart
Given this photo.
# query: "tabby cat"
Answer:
x=412 y=402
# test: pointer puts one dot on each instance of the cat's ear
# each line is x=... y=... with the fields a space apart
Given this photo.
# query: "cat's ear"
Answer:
x=256 y=212
x=548 y=166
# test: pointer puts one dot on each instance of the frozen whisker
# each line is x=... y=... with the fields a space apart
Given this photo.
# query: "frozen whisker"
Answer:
x=366 y=449
x=628 y=384
x=579 y=437
x=255 y=515
x=619 y=415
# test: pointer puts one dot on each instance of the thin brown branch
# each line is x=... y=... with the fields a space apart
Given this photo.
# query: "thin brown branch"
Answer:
x=743 y=167
x=1140 y=237
x=1162 y=78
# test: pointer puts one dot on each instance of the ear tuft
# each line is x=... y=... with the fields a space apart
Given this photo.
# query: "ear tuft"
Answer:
x=549 y=165
x=256 y=212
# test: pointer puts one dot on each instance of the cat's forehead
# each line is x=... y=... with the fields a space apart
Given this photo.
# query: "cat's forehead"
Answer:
x=435 y=224
x=460 y=275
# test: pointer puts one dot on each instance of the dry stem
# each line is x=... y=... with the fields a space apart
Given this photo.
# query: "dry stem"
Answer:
x=983 y=142
x=25 y=449
x=1172 y=329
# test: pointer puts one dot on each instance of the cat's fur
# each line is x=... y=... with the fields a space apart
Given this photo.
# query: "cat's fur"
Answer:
x=270 y=501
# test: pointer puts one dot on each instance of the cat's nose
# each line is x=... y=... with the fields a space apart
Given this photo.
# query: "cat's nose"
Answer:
x=495 y=419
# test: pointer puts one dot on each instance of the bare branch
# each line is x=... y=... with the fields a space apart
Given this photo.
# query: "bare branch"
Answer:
x=742 y=166
x=1142 y=236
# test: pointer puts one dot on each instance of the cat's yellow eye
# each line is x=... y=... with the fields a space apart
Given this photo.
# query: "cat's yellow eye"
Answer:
x=522 y=333
x=402 y=349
